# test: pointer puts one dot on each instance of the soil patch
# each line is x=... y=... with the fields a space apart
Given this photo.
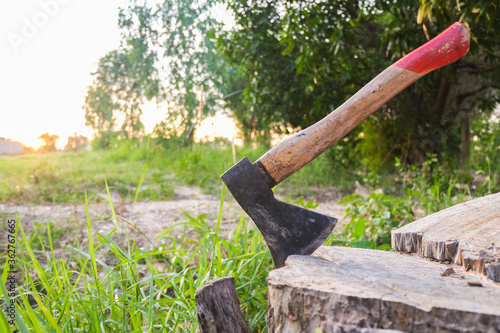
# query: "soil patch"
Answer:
x=144 y=220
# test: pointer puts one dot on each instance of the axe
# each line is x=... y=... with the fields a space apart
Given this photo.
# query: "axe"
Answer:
x=288 y=229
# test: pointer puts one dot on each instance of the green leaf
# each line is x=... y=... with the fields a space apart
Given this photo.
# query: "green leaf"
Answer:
x=359 y=228
x=386 y=215
x=384 y=247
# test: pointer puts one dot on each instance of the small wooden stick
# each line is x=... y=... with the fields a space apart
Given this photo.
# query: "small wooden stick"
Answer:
x=218 y=307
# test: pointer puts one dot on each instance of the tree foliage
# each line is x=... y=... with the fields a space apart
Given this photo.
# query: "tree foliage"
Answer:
x=295 y=56
x=49 y=141
x=125 y=79
x=284 y=65
x=169 y=54
x=76 y=143
x=304 y=58
x=189 y=61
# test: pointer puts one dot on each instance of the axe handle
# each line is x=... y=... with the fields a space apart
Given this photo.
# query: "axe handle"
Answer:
x=299 y=149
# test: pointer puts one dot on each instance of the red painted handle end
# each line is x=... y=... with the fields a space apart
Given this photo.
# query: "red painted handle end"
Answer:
x=445 y=48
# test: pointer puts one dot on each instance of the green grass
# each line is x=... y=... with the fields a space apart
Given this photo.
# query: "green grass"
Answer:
x=83 y=293
x=64 y=177
x=143 y=171
x=143 y=289
x=113 y=285
x=418 y=192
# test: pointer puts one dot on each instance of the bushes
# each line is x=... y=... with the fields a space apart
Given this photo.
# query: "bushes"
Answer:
x=417 y=191
x=373 y=218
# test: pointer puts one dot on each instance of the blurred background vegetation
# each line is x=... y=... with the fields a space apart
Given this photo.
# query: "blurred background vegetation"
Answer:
x=276 y=67
x=280 y=66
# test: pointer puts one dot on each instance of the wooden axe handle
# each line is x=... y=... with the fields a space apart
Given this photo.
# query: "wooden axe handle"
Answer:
x=296 y=151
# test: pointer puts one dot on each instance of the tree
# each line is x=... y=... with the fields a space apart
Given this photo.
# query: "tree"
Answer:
x=49 y=142
x=125 y=79
x=304 y=58
x=190 y=60
x=99 y=108
x=76 y=143
x=479 y=87
x=174 y=41
x=297 y=58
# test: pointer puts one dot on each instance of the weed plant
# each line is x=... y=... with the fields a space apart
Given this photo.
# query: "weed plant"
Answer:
x=424 y=190
x=85 y=293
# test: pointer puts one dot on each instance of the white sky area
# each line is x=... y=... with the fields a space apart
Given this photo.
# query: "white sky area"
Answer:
x=48 y=50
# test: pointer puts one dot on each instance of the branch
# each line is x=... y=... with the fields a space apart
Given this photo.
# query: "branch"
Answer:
x=464 y=96
x=477 y=68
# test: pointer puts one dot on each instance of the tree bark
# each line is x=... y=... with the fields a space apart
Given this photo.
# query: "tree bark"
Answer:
x=465 y=141
x=218 y=307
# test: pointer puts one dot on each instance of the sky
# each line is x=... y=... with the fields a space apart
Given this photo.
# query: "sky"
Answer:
x=48 y=48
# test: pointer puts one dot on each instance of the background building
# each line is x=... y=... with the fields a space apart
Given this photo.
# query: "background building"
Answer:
x=8 y=146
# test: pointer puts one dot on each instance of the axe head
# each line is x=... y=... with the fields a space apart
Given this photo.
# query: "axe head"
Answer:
x=287 y=229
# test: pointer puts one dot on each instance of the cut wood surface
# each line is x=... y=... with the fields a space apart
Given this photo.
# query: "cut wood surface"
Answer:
x=353 y=290
x=218 y=307
x=467 y=234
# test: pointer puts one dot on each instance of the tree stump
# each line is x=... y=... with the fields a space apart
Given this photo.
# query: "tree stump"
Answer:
x=467 y=234
x=358 y=290
x=218 y=307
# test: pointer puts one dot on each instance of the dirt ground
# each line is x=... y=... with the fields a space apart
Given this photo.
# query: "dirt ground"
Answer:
x=150 y=218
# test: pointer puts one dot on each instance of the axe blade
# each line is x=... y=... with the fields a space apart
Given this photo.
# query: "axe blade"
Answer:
x=286 y=228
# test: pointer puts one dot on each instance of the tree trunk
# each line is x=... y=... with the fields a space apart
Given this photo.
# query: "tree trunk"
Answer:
x=218 y=308
x=358 y=290
x=465 y=141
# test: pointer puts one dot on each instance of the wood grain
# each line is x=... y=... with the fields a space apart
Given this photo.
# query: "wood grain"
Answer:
x=467 y=234
x=347 y=290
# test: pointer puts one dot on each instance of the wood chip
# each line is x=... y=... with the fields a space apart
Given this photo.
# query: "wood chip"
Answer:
x=448 y=272
x=474 y=284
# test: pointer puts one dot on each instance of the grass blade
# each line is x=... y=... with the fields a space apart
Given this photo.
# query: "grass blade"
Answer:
x=111 y=204
x=93 y=259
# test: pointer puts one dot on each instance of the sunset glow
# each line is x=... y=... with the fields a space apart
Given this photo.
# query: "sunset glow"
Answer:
x=49 y=49
x=218 y=127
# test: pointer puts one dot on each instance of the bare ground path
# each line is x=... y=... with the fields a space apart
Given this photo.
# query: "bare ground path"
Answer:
x=149 y=217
